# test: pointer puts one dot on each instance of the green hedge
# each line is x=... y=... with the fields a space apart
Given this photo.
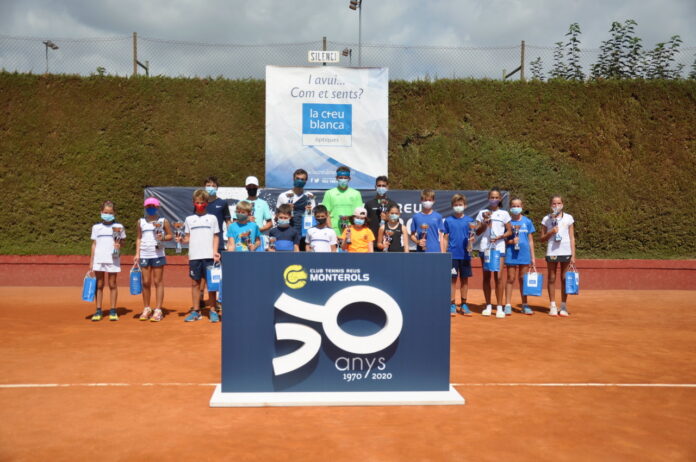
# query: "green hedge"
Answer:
x=622 y=153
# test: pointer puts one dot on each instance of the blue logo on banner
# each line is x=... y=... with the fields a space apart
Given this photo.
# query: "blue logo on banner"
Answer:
x=327 y=119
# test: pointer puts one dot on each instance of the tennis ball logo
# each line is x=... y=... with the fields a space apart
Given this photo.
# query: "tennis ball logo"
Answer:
x=295 y=276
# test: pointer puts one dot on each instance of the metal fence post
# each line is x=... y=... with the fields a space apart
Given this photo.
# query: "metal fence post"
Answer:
x=522 y=61
x=135 y=54
x=323 y=47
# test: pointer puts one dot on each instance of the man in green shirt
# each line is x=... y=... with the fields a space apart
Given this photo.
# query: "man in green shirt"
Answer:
x=341 y=201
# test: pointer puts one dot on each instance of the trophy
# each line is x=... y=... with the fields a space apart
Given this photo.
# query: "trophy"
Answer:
x=472 y=236
x=117 y=240
x=245 y=240
x=388 y=236
x=383 y=208
x=424 y=234
x=178 y=234
x=289 y=196
x=307 y=219
x=516 y=230
x=159 y=234
x=554 y=222
x=271 y=242
x=348 y=241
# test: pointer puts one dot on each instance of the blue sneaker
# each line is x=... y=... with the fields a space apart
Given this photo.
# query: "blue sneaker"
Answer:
x=213 y=316
x=453 y=309
x=527 y=310
x=465 y=310
x=508 y=310
x=194 y=315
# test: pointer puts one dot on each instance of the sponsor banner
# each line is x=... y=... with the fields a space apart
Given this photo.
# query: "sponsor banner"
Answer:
x=177 y=202
x=318 y=118
x=298 y=322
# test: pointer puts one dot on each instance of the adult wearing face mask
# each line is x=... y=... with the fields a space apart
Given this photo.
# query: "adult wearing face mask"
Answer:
x=300 y=200
x=378 y=208
x=217 y=207
x=341 y=201
x=260 y=211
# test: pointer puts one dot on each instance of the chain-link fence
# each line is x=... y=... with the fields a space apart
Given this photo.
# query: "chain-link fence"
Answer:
x=116 y=56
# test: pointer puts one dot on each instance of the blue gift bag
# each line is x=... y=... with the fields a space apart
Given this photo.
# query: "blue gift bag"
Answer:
x=533 y=284
x=136 y=280
x=213 y=276
x=89 y=287
x=491 y=260
x=572 y=281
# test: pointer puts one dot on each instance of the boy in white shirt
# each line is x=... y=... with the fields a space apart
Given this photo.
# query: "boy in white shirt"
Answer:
x=105 y=257
x=321 y=238
x=201 y=233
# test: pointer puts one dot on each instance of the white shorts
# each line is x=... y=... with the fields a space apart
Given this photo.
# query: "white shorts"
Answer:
x=106 y=267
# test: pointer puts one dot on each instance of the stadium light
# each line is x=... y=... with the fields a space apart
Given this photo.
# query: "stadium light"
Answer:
x=52 y=46
x=348 y=52
x=357 y=5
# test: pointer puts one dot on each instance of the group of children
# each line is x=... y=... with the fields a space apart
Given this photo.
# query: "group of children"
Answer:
x=328 y=227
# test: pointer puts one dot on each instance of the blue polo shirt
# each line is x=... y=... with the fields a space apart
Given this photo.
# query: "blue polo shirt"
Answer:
x=434 y=222
x=458 y=231
x=221 y=211
x=520 y=257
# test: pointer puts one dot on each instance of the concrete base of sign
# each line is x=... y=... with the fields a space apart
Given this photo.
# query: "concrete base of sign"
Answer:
x=362 y=398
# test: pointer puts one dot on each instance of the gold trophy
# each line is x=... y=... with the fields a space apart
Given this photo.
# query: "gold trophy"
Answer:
x=424 y=235
x=271 y=242
x=116 y=230
x=178 y=234
x=388 y=236
x=472 y=236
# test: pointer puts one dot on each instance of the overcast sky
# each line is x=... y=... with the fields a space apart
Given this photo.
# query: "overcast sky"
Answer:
x=459 y=23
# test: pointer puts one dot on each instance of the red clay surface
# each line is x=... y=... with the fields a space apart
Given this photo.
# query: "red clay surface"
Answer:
x=611 y=337
x=68 y=270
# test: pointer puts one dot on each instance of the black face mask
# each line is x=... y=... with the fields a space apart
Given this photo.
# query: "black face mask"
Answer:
x=251 y=191
x=321 y=221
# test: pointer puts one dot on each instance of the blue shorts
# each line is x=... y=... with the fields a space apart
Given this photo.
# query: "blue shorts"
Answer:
x=461 y=268
x=197 y=268
x=152 y=262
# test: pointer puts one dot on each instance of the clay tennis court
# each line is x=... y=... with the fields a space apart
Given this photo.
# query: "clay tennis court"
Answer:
x=613 y=381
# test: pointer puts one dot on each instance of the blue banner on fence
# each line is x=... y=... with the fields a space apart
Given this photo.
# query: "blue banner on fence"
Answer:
x=335 y=322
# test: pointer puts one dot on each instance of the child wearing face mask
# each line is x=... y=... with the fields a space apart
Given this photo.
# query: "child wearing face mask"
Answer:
x=456 y=233
x=392 y=236
x=321 y=238
x=284 y=237
x=519 y=254
x=243 y=235
x=426 y=225
x=261 y=212
x=358 y=236
x=201 y=234
x=494 y=228
x=558 y=229
x=104 y=260
x=149 y=255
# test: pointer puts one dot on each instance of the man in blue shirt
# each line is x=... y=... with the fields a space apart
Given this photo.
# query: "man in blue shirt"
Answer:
x=457 y=231
x=426 y=226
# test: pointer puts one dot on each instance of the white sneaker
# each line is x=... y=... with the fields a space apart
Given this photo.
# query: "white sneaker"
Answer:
x=487 y=311
x=563 y=312
x=499 y=312
x=553 y=311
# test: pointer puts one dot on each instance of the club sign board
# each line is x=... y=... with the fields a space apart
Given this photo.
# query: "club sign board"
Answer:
x=335 y=322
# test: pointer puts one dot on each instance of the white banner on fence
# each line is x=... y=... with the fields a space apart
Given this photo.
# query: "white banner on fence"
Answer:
x=318 y=118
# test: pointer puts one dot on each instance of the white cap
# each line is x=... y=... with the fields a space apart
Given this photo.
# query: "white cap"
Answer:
x=360 y=212
x=251 y=180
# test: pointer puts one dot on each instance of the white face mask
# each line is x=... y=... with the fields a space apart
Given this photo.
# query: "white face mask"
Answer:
x=458 y=209
x=557 y=208
x=428 y=204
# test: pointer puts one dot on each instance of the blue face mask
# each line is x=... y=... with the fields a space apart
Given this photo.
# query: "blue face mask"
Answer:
x=241 y=216
x=516 y=210
x=299 y=183
x=393 y=217
x=107 y=217
x=381 y=190
x=151 y=210
x=212 y=190
x=343 y=182
x=359 y=221
x=283 y=223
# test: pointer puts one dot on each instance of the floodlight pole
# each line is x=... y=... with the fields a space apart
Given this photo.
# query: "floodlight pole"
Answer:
x=46 y=45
